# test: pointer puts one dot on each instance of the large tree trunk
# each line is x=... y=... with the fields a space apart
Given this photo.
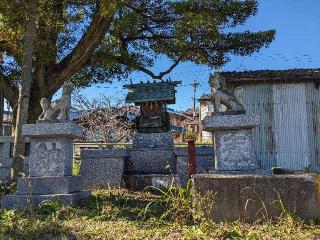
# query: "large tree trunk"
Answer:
x=24 y=91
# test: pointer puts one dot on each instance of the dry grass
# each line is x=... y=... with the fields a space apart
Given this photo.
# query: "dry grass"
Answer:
x=119 y=214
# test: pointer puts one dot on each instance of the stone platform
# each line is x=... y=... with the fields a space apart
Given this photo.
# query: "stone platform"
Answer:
x=299 y=193
x=233 y=141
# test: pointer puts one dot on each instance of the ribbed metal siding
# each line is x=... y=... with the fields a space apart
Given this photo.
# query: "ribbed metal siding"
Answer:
x=313 y=108
x=289 y=133
x=290 y=121
x=258 y=100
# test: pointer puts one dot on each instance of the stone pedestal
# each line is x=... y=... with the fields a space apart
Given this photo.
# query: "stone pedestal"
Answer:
x=50 y=167
x=5 y=158
x=151 y=153
x=102 y=168
x=233 y=141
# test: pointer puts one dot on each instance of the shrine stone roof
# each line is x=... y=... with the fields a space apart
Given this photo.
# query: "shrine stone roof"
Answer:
x=152 y=92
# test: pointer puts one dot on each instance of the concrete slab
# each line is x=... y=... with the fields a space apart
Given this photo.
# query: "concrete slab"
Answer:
x=243 y=196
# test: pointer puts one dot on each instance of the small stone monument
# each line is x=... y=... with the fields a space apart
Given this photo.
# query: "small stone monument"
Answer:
x=152 y=148
x=51 y=158
x=5 y=158
x=231 y=129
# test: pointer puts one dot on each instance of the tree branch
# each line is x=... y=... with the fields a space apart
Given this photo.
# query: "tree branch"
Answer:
x=161 y=74
x=82 y=52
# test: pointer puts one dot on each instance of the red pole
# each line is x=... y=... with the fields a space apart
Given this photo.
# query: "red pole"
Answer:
x=192 y=156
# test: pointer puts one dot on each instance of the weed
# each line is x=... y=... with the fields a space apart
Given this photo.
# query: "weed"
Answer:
x=7 y=188
x=52 y=209
x=114 y=214
x=76 y=167
x=180 y=205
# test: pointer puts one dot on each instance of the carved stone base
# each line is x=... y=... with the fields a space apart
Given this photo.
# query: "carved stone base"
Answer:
x=51 y=148
x=233 y=141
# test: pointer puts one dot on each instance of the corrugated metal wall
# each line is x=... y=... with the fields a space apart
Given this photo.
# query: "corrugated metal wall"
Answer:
x=258 y=100
x=313 y=121
x=289 y=134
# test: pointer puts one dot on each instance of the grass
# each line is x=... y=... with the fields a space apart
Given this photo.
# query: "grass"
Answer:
x=119 y=214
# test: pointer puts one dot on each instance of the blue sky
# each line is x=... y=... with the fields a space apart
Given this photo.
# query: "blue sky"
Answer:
x=297 y=45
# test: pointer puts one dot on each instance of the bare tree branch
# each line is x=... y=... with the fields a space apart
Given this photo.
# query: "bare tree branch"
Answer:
x=161 y=74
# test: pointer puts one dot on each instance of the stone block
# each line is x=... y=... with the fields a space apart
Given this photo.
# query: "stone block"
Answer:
x=51 y=130
x=51 y=157
x=48 y=185
x=6 y=162
x=234 y=150
x=101 y=172
x=232 y=193
x=34 y=201
x=227 y=122
x=6 y=146
x=26 y=164
x=104 y=153
x=151 y=161
x=5 y=174
x=152 y=140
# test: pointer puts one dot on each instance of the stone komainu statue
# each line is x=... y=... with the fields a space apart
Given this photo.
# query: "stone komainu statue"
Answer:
x=220 y=96
x=61 y=107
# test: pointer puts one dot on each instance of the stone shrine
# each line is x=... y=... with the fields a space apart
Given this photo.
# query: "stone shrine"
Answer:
x=51 y=160
x=231 y=129
x=152 y=148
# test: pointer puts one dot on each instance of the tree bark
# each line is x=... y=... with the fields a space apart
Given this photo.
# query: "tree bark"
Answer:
x=24 y=90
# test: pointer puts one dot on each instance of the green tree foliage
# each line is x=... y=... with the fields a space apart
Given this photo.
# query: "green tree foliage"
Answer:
x=93 y=41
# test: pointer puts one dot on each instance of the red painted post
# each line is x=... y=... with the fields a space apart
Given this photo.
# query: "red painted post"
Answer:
x=192 y=156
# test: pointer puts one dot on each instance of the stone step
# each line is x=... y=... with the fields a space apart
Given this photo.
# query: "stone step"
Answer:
x=151 y=181
x=48 y=185
x=27 y=201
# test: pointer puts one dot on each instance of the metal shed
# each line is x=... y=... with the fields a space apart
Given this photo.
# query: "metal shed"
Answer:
x=288 y=102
